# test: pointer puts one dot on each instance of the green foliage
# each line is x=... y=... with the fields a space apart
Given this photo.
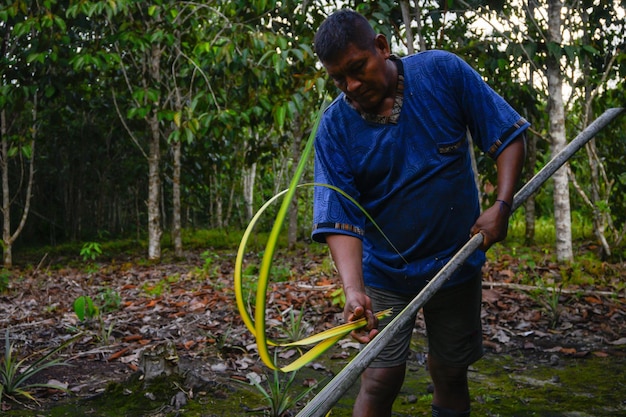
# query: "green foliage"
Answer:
x=15 y=373
x=161 y=286
x=338 y=297
x=545 y=229
x=110 y=300
x=249 y=283
x=281 y=273
x=294 y=326
x=549 y=298
x=277 y=393
x=208 y=269
x=155 y=290
x=211 y=238
x=328 y=265
x=5 y=279
x=84 y=308
x=87 y=311
x=90 y=251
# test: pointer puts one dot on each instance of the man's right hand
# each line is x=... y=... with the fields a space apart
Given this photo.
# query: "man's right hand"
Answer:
x=356 y=309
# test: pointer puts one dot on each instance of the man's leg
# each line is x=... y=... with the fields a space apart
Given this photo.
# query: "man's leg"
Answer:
x=451 y=390
x=379 y=389
x=455 y=341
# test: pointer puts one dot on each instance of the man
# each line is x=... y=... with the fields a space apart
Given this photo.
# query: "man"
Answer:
x=396 y=141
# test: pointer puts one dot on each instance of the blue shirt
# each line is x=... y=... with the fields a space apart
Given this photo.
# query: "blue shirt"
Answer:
x=413 y=177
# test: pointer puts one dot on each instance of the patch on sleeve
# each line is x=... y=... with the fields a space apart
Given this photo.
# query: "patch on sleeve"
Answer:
x=494 y=148
x=340 y=226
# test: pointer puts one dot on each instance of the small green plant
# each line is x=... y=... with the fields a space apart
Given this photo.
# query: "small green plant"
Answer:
x=280 y=273
x=163 y=285
x=294 y=327
x=5 y=278
x=208 y=267
x=327 y=266
x=549 y=298
x=110 y=300
x=251 y=270
x=277 y=393
x=15 y=374
x=84 y=308
x=155 y=290
x=90 y=251
x=250 y=282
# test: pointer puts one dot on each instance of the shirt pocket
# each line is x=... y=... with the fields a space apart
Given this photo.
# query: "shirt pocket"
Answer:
x=453 y=158
x=453 y=147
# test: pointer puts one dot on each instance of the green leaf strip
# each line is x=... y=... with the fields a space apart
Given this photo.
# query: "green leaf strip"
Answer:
x=256 y=325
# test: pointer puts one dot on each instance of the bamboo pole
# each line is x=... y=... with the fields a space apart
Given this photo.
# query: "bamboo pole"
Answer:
x=322 y=403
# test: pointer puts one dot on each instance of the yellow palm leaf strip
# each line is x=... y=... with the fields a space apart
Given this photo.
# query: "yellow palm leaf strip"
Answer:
x=340 y=330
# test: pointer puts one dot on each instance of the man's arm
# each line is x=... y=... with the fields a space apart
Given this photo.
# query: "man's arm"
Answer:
x=347 y=253
x=493 y=223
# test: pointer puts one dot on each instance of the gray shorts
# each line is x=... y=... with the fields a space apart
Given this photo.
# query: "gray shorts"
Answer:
x=453 y=325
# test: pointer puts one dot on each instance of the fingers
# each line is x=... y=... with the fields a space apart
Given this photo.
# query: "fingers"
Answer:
x=492 y=224
x=364 y=336
x=370 y=330
x=357 y=313
x=372 y=320
x=486 y=243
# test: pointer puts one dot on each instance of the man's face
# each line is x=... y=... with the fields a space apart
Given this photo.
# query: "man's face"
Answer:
x=363 y=75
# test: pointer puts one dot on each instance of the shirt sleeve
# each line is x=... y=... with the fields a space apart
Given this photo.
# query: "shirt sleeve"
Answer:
x=492 y=122
x=332 y=211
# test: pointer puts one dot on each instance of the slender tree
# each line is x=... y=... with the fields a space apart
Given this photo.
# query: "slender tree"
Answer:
x=26 y=50
x=556 y=109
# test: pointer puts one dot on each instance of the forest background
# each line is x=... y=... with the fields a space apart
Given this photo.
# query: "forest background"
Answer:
x=147 y=121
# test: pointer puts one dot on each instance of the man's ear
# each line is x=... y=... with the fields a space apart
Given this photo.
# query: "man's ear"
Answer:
x=381 y=44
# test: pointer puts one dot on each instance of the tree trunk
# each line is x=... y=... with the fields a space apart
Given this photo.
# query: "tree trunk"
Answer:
x=562 y=214
x=154 y=192
x=217 y=200
x=154 y=164
x=6 y=196
x=229 y=208
x=406 y=18
x=418 y=20
x=249 y=174
x=176 y=217
x=7 y=238
x=219 y=213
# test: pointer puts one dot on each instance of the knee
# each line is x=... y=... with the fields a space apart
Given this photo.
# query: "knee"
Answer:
x=383 y=384
x=454 y=379
x=447 y=376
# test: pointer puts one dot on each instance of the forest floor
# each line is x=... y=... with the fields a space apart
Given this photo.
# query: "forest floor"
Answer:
x=179 y=317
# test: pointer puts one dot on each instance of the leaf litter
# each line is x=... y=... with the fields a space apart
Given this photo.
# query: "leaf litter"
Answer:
x=179 y=303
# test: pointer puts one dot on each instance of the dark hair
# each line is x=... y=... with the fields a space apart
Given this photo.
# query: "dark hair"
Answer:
x=340 y=29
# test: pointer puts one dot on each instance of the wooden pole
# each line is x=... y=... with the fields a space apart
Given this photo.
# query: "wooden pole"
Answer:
x=322 y=403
